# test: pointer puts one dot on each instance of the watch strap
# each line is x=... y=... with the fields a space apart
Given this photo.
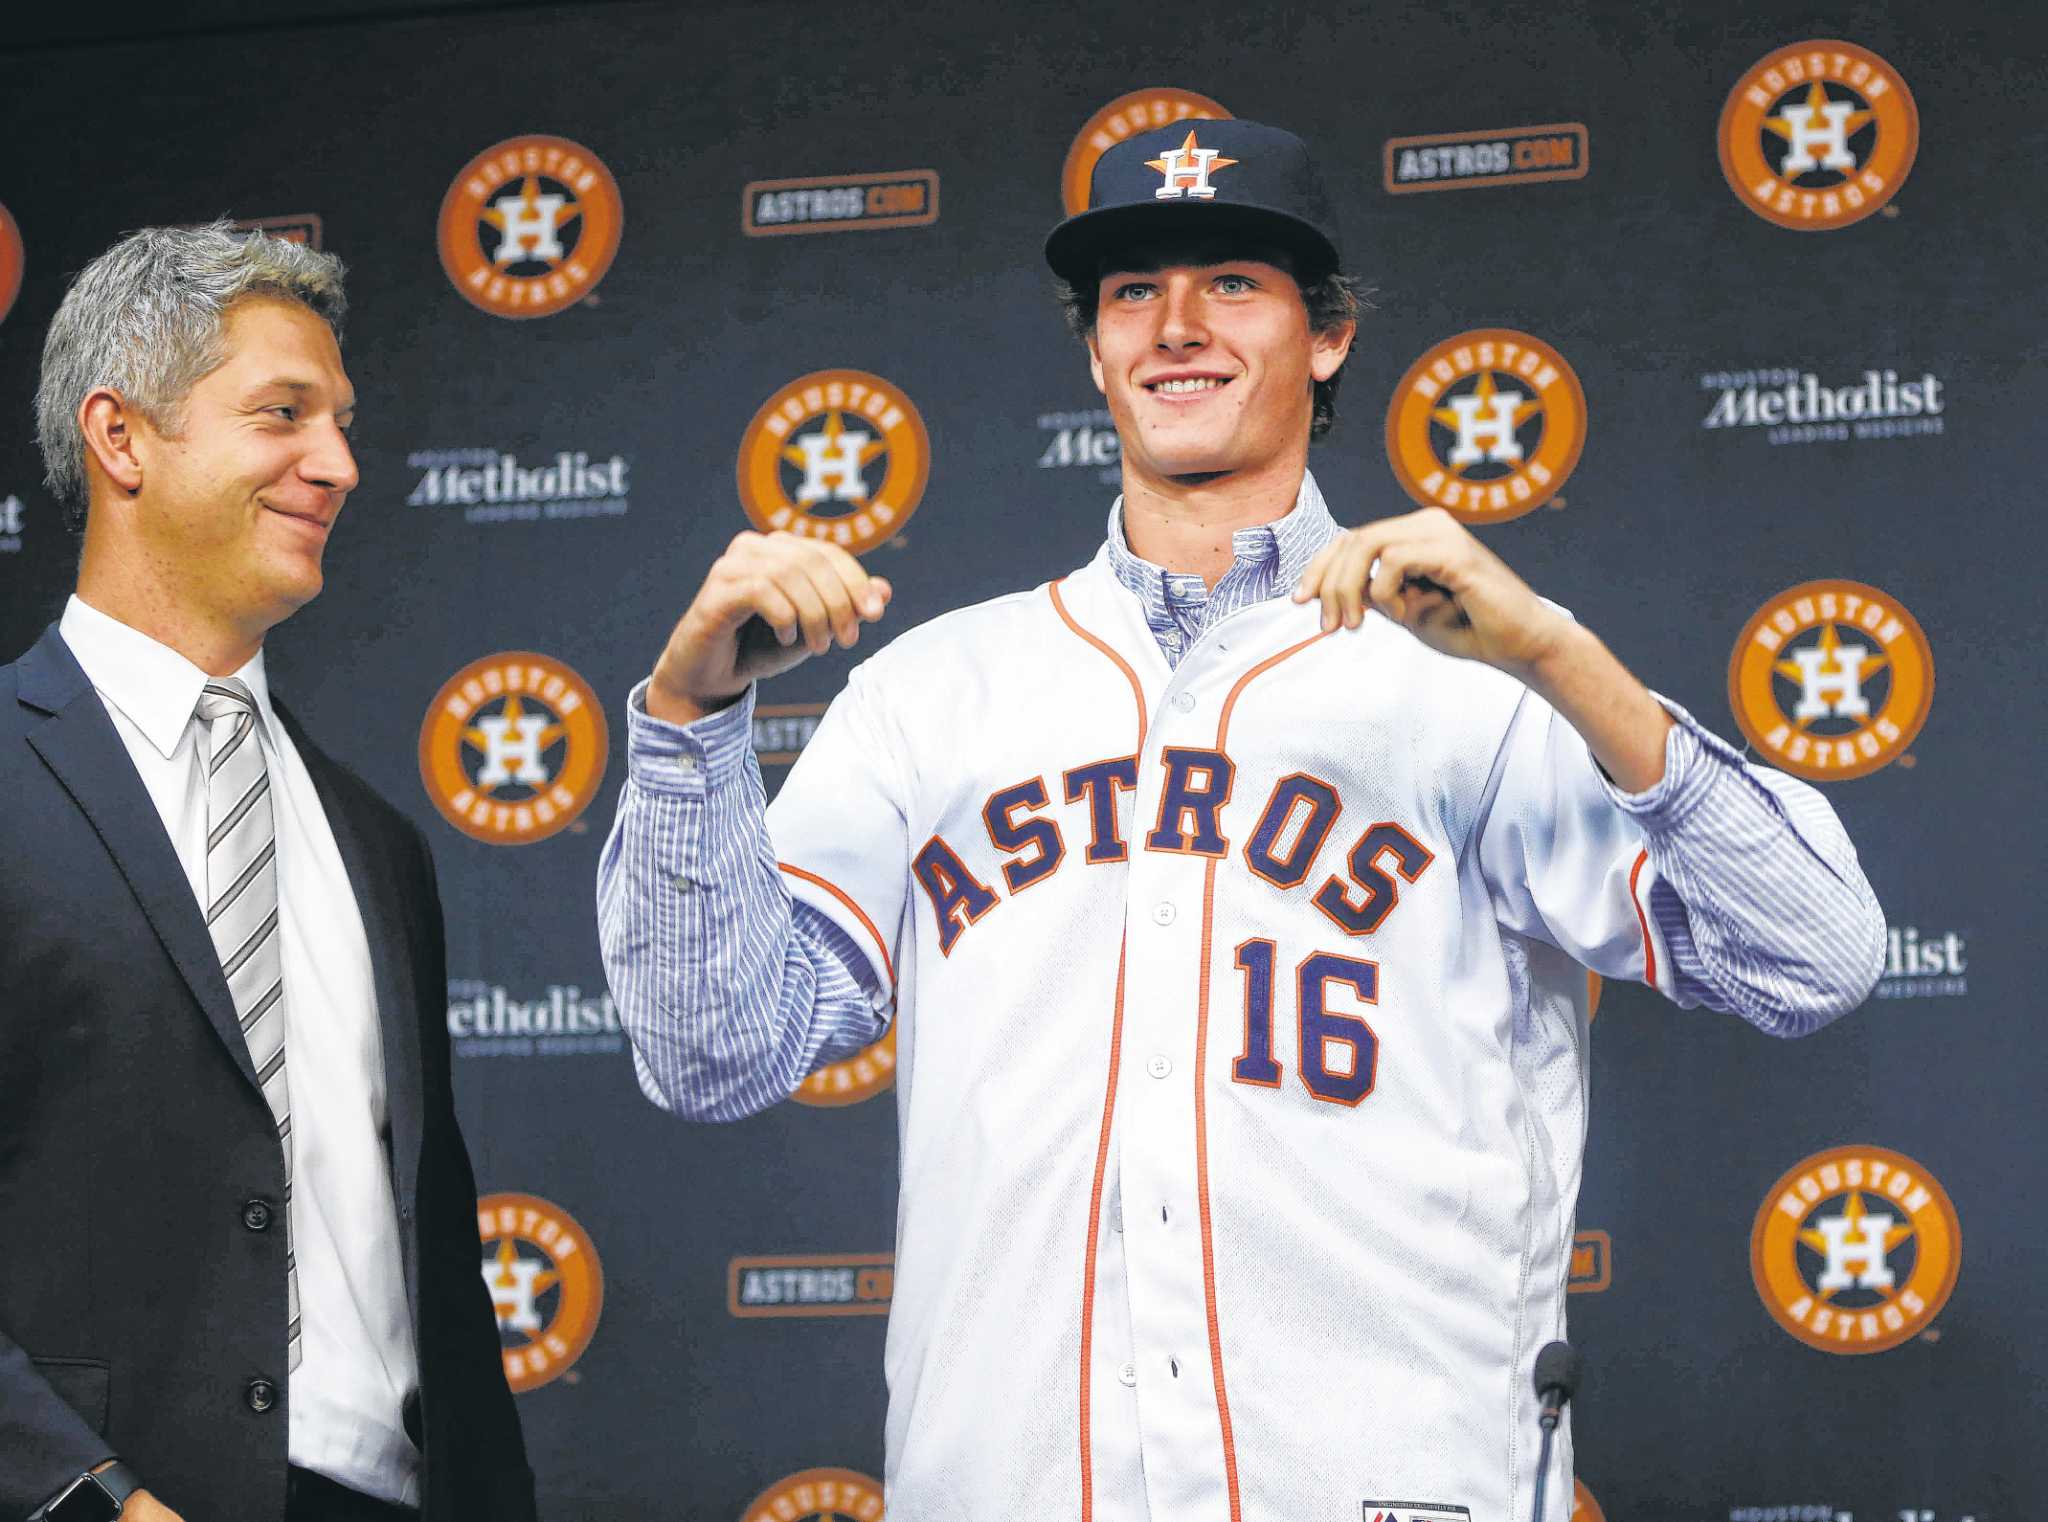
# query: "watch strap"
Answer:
x=109 y=1486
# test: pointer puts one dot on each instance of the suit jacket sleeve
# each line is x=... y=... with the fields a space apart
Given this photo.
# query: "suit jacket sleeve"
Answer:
x=44 y=1442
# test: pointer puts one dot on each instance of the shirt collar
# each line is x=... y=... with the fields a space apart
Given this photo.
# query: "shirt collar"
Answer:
x=156 y=688
x=1296 y=538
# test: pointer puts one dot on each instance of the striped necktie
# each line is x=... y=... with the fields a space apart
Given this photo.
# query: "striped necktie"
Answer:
x=241 y=887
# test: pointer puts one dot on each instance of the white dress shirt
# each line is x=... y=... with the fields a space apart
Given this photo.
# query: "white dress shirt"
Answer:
x=359 y=1364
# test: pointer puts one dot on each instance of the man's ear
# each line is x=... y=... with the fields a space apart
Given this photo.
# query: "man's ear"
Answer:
x=1330 y=349
x=108 y=423
x=1095 y=363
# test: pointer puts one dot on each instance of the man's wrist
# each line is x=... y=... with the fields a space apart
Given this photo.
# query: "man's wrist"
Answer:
x=98 y=1495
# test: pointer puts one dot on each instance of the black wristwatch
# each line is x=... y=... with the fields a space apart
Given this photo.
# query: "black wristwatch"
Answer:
x=96 y=1497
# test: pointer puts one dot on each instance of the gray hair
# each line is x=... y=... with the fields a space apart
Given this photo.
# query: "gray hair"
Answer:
x=146 y=319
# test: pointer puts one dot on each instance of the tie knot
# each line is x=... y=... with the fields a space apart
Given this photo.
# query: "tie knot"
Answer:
x=225 y=697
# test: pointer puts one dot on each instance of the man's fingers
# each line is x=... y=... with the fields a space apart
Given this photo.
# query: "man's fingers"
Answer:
x=776 y=610
x=867 y=594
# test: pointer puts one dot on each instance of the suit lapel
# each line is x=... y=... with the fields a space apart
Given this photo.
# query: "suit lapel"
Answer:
x=382 y=902
x=78 y=742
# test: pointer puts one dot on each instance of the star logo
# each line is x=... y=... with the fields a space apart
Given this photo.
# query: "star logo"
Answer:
x=1185 y=170
x=544 y=1280
x=1818 y=135
x=1124 y=117
x=530 y=226
x=513 y=748
x=808 y=460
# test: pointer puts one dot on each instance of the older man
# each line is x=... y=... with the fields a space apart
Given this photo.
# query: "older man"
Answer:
x=243 y=1276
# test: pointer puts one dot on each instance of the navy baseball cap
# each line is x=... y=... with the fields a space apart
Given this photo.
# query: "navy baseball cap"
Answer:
x=1232 y=178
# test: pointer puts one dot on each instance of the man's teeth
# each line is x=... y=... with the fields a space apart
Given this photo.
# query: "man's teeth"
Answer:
x=1174 y=387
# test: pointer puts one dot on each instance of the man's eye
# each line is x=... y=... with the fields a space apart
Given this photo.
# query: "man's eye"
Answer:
x=289 y=413
x=1135 y=291
x=1233 y=285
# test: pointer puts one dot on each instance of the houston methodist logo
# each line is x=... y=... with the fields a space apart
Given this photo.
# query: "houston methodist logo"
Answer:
x=862 y=1076
x=838 y=455
x=1818 y=135
x=818 y=1495
x=545 y=1282
x=530 y=225
x=13 y=258
x=1832 y=680
x=1486 y=425
x=1139 y=111
x=1855 y=1250
x=513 y=748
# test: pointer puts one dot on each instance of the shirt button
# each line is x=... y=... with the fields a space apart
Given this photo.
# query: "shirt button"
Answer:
x=1184 y=701
x=1128 y=1374
x=261 y=1395
x=1162 y=913
x=684 y=885
x=256 y=1215
x=1159 y=1065
x=687 y=765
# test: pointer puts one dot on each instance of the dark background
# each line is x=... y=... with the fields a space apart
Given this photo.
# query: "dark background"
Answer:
x=1646 y=274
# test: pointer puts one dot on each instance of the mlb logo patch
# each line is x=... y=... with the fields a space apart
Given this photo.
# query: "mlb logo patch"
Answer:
x=1416 y=1511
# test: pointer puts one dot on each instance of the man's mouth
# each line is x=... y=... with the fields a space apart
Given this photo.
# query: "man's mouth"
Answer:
x=1191 y=385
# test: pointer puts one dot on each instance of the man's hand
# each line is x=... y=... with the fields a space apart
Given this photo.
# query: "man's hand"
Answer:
x=141 y=1506
x=1440 y=584
x=770 y=602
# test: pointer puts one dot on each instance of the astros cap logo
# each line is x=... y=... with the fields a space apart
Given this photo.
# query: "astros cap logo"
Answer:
x=826 y=1495
x=838 y=455
x=1831 y=680
x=1185 y=171
x=530 y=226
x=1486 y=425
x=1126 y=116
x=862 y=1076
x=13 y=258
x=513 y=748
x=1818 y=135
x=545 y=1282
x=1855 y=1250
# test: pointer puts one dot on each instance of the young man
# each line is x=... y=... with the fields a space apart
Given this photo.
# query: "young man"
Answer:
x=243 y=1281
x=1229 y=899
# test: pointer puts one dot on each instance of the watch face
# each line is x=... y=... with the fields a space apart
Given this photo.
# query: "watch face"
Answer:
x=87 y=1501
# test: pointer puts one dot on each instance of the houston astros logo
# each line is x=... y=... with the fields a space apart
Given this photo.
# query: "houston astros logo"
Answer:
x=1185 y=171
x=818 y=1495
x=862 y=1076
x=513 y=748
x=1831 y=680
x=1818 y=135
x=1855 y=1250
x=1584 y=1507
x=839 y=455
x=12 y=261
x=529 y=226
x=545 y=1282
x=1127 y=115
x=1486 y=425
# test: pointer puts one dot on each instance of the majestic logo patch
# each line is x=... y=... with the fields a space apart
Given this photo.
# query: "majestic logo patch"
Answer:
x=818 y=1495
x=1818 y=135
x=1486 y=425
x=1468 y=160
x=862 y=1076
x=1185 y=171
x=530 y=226
x=1415 y=1511
x=838 y=455
x=815 y=1284
x=1855 y=1250
x=1139 y=111
x=513 y=748
x=1831 y=680
x=13 y=258
x=836 y=202
x=1584 y=1507
x=545 y=1282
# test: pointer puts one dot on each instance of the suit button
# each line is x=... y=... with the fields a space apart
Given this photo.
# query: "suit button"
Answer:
x=256 y=1215
x=261 y=1395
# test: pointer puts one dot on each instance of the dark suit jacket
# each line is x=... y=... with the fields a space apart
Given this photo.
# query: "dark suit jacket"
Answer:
x=136 y=1303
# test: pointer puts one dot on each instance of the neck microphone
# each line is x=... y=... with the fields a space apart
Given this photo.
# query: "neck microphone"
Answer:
x=1557 y=1380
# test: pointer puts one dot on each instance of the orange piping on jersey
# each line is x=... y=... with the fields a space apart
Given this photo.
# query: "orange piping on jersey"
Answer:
x=1116 y=1047
x=888 y=962
x=1202 y=1107
x=1642 y=919
x=1137 y=690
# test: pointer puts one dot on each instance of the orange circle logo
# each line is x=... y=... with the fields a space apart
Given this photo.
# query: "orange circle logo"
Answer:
x=1486 y=425
x=13 y=259
x=545 y=1282
x=1126 y=116
x=530 y=225
x=513 y=748
x=862 y=1076
x=1584 y=1507
x=1831 y=680
x=1855 y=1250
x=839 y=455
x=1818 y=135
x=827 y=1495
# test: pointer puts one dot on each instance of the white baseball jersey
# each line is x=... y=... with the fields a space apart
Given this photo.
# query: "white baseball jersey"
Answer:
x=1240 y=1030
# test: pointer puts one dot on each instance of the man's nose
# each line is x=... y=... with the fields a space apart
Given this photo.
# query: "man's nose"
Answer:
x=1180 y=318
x=331 y=464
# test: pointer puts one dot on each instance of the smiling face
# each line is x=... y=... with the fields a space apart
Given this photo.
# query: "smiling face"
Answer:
x=234 y=512
x=1208 y=363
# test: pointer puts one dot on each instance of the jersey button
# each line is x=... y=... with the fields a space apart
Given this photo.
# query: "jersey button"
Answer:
x=1159 y=1065
x=1185 y=702
x=1128 y=1374
x=1162 y=914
